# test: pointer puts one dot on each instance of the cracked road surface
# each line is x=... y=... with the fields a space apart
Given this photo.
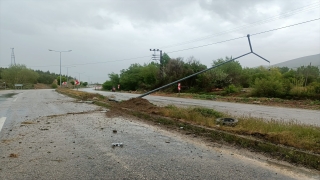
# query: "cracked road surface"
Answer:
x=49 y=136
x=235 y=109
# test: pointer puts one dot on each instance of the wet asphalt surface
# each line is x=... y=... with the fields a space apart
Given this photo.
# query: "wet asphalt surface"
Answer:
x=49 y=136
x=234 y=109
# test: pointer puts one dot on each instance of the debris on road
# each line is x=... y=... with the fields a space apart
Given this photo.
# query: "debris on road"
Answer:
x=13 y=155
x=114 y=131
x=117 y=144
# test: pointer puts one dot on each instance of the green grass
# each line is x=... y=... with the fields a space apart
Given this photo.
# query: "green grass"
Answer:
x=293 y=134
x=200 y=116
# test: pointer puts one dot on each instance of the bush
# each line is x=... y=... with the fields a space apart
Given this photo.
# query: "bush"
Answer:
x=315 y=86
x=299 y=92
x=54 y=85
x=268 y=88
x=230 y=89
x=107 y=85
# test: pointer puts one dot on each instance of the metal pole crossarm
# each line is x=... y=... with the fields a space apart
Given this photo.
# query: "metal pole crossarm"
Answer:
x=60 y=51
x=177 y=81
x=252 y=50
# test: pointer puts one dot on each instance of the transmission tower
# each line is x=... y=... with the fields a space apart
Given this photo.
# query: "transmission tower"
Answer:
x=13 y=60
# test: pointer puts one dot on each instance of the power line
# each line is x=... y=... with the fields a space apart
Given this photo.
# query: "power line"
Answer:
x=245 y=36
x=196 y=46
x=270 y=19
x=285 y=27
x=98 y=62
x=208 y=44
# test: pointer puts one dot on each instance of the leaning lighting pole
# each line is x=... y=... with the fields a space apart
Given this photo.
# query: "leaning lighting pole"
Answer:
x=60 y=60
x=177 y=81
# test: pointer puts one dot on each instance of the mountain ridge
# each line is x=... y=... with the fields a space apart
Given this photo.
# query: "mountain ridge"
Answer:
x=302 y=61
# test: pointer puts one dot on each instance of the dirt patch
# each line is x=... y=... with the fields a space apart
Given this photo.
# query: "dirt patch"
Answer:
x=138 y=104
x=28 y=122
x=13 y=155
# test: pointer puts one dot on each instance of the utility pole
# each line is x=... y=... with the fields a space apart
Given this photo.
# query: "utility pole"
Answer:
x=161 y=61
x=13 y=59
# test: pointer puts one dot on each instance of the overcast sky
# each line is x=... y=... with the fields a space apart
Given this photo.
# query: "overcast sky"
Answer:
x=105 y=35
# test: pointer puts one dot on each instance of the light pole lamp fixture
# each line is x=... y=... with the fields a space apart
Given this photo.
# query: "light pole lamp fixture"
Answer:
x=60 y=60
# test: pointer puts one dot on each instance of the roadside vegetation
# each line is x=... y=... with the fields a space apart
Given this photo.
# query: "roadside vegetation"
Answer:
x=230 y=79
x=20 y=74
x=291 y=134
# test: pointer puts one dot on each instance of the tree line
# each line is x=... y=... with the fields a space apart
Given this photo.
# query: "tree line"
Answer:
x=20 y=74
x=303 y=82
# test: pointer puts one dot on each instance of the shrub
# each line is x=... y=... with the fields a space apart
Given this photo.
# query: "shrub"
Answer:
x=54 y=85
x=299 y=92
x=231 y=89
x=107 y=85
x=268 y=88
x=315 y=86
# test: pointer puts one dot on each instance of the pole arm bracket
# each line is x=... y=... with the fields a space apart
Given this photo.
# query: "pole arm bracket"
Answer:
x=254 y=52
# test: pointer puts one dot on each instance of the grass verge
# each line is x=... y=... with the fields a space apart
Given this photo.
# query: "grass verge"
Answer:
x=293 y=134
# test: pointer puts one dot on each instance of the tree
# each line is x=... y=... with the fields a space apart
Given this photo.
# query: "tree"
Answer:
x=271 y=84
x=46 y=77
x=165 y=58
x=19 y=74
x=283 y=69
x=310 y=73
x=85 y=84
x=63 y=79
x=149 y=74
x=190 y=67
x=233 y=70
x=131 y=77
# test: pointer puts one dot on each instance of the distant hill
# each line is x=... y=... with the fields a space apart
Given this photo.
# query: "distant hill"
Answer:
x=302 y=61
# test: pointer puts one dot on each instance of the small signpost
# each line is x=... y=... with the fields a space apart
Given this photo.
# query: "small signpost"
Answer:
x=18 y=85
x=76 y=83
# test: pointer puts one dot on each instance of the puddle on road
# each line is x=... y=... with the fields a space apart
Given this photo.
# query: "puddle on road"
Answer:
x=6 y=96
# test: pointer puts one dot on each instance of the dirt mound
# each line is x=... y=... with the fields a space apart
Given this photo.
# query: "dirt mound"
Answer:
x=138 y=104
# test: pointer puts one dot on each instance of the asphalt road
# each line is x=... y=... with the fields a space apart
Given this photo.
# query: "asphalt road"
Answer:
x=233 y=109
x=49 y=136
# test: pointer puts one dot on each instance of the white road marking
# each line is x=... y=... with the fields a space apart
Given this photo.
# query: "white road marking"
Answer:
x=2 y=120
x=16 y=98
